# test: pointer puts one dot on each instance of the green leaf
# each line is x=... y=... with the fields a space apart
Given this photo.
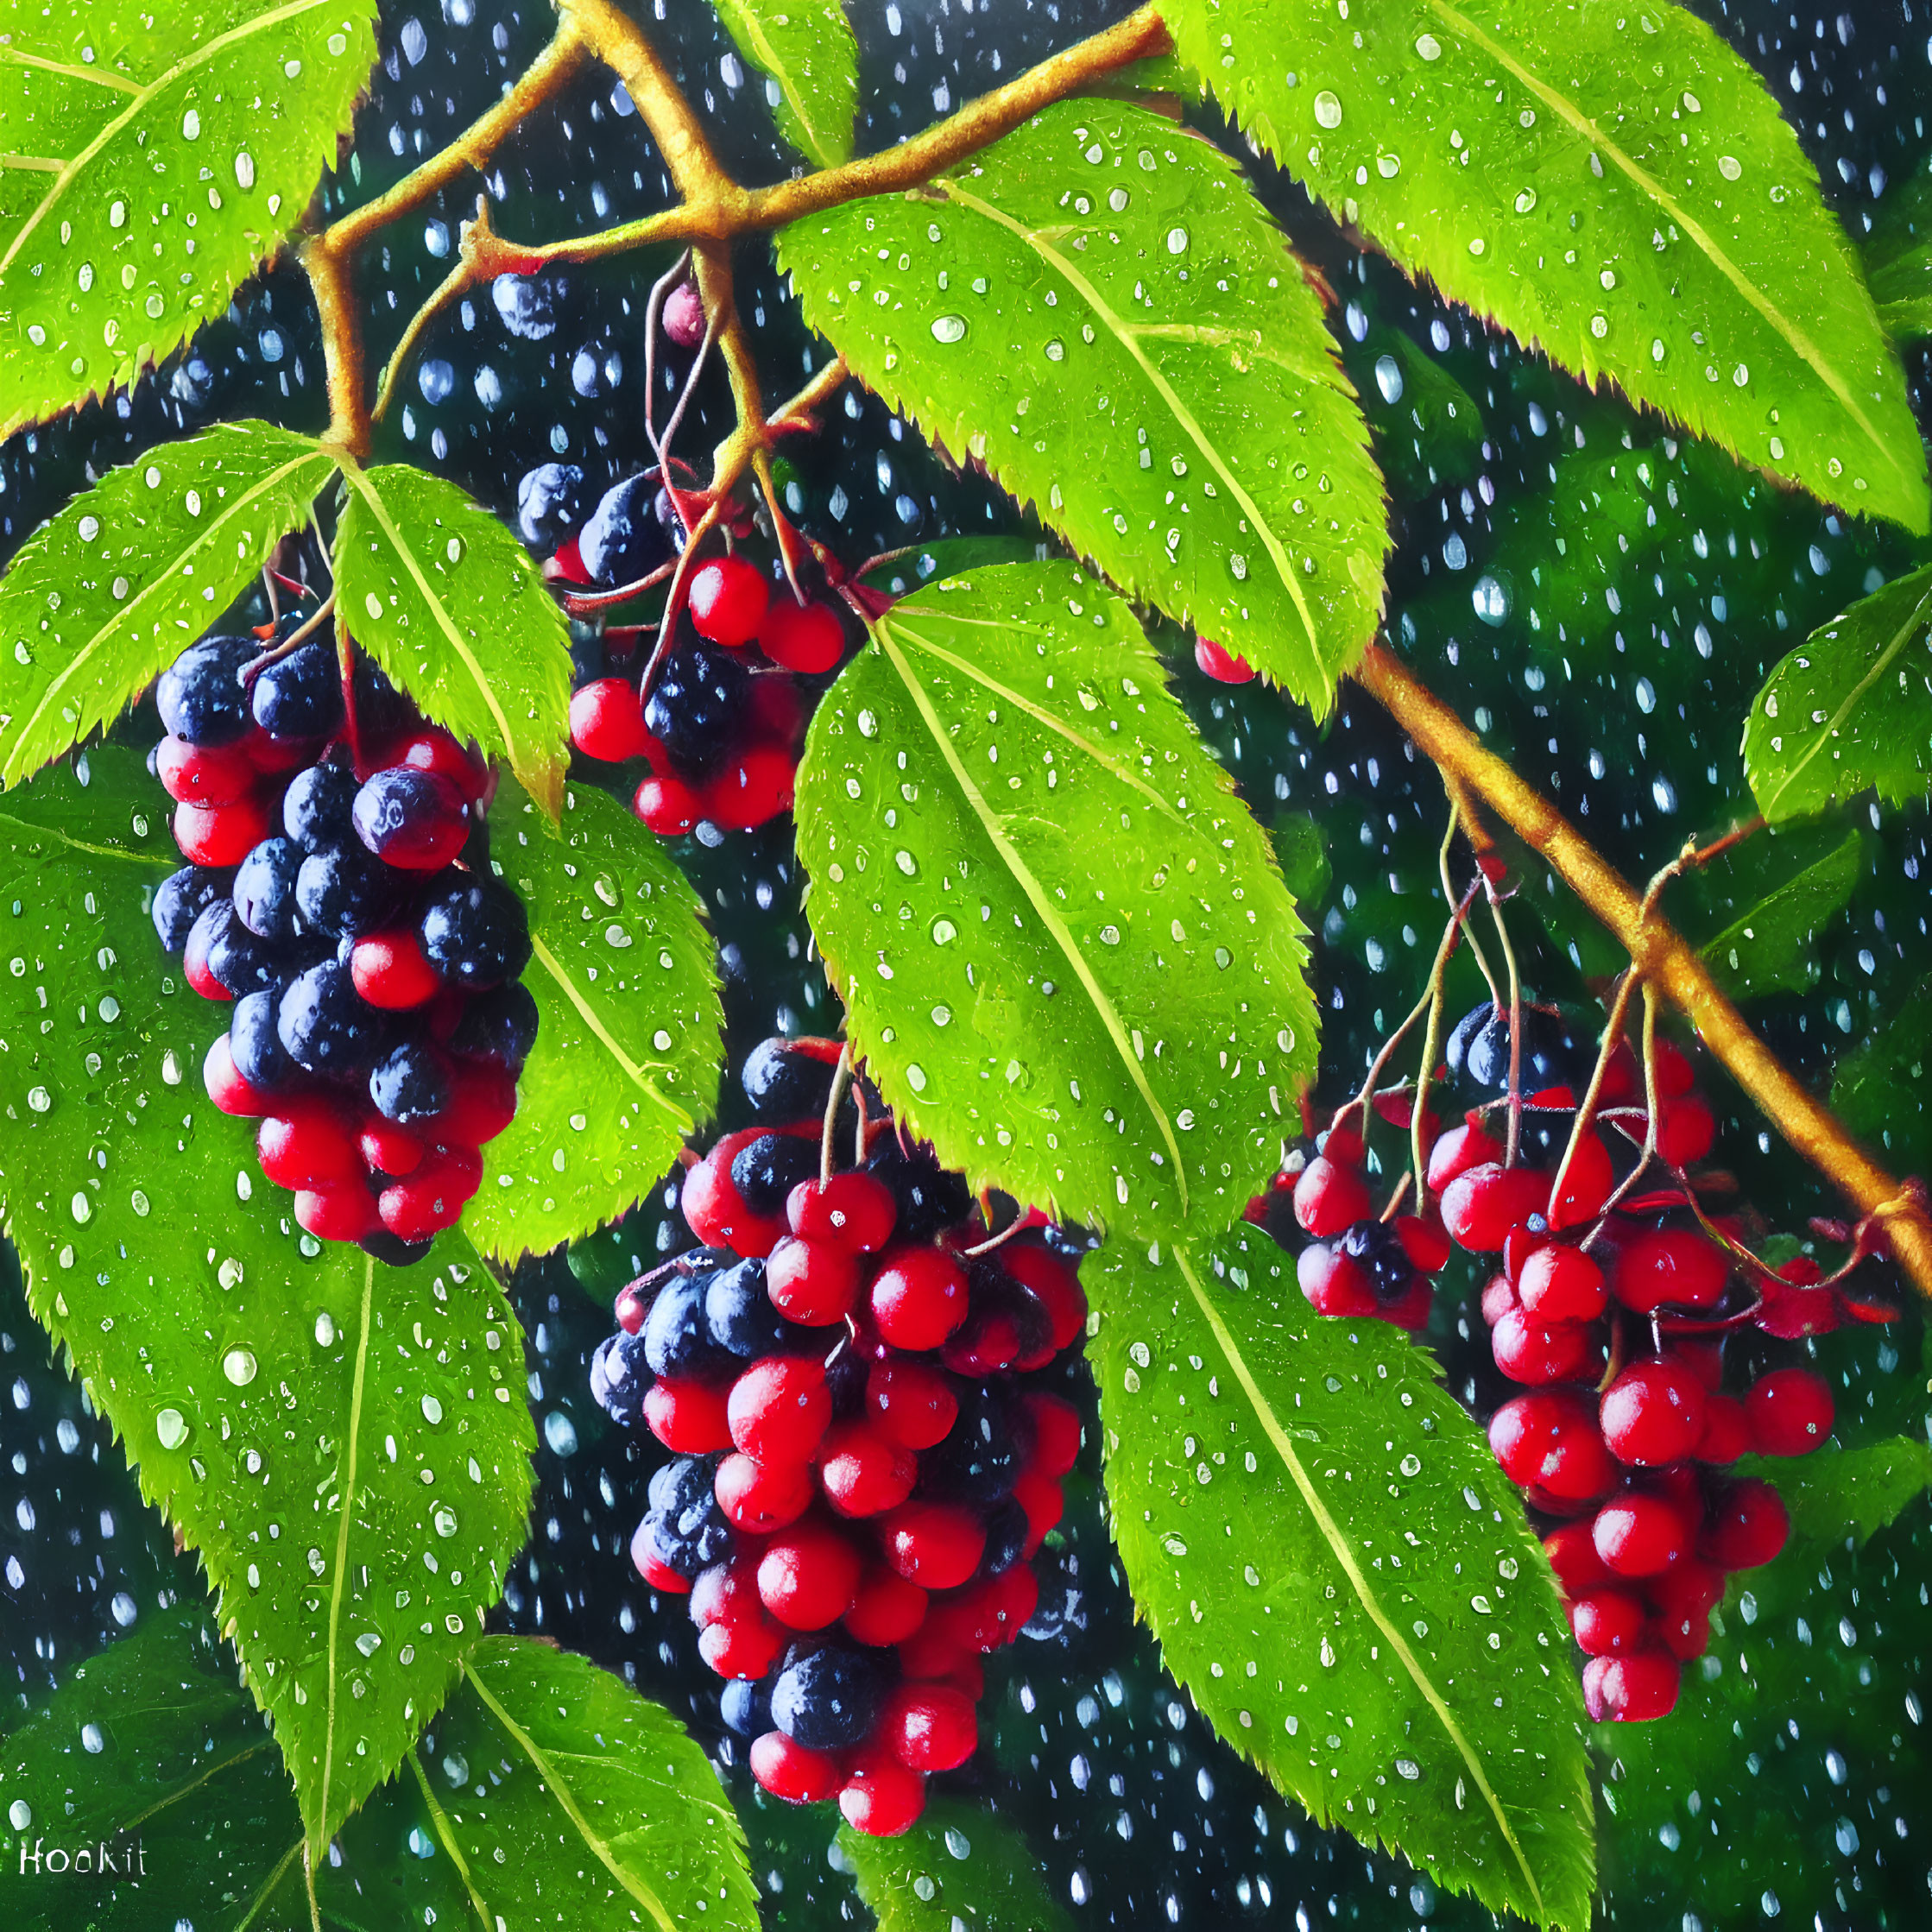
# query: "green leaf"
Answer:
x=1097 y=309
x=1899 y=259
x=1882 y=1092
x=449 y=603
x=152 y=1749
x=1614 y=187
x=628 y=1040
x=346 y=1444
x=1302 y=851
x=902 y=570
x=809 y=58
x=1339 y=1573
x=1427 y=427
x=1850 y=708
x=976 y=1869
x=1063 y=949
x=1771 y=946
x=1834 y=1492
x=103 y=598
x=155 y=159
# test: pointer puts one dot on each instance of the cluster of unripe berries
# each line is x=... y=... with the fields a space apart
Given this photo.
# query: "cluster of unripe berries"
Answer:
x=865 y=1462
x=351 y=919
x=1615 y=1323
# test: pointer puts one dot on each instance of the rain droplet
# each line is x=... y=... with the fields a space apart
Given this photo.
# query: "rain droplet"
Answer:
x=1177 y=241
x=1327 y=109
x=949 y=328
x=444 y=1520
x=238 y=1365
x=561 y=1432
x=190 y=126
x=1388 y=378
x=1657 y=349
x=1729 y=166
x=1491 y=600
x=20 y=1814
x=39 y=1099
x=1599 y=326
x=1056 y=350
x=171 y=1427
x=433 y=1411
x=1428 y=46
x=1525 y=201
x=1388 y=166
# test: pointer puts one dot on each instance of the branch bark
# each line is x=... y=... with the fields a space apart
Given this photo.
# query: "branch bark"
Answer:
x=1662 y=957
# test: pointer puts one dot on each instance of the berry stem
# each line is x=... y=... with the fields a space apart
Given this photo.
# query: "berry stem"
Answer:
x=841 y=1073
x=256 y=665
x=653 y=310
x=1512 y=1143
x=1665 y=960
x=445 y=293
x=1586 y=1113
x=1432 y=1034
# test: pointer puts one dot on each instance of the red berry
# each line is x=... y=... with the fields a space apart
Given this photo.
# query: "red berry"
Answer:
x=815 y=1282
x=775 y=714
x=435 y=750
x=1054 y=1424
x=1685 y=1130
x=1692 y=1588
x=271 y=755
x=684 y=315
x=936 y=1545
x=747 y=1649
x=715 y=1212
x=1054 y=1285
x=1607 y=1623
x=1669 y=1266
x=1333 y=1284
x=1458 y=1150
x=807 y=1575
x=911 y=1402
x=194 y=965
x=345 y=1213
x=1559 y=1283
x=1499 y=1299
x=1528 y=1350
x=1747 y=1526
x=855 y=1210
x=918 y=1297
x=1344 y=1147
x=651 y=1566
x=483 y=1103
x=726 y=1593
x=607 y=720
x=386 y=1148
x=667 y=806
x=1630 y=1689
x=220 y=834
x=632 y=1306
x=808 y=638
x=1572 y=1553
x=390 y=971
x=203 y=775
x=988 y=1341
x=413 y=820
x=788 y=1770
x=779 y=1408
x=864 y=1472
x=881 y=1797
x=1674 y=1074
x=755 y=785
x=1329 y=1199
x=306 y=1143
x=432 y=1195
x=1586 y=1186
x=227 y=1088
x=1410 y=1309
x=928 y=1727
x=1653 y=1413
x=1726 y=1431
x=1551 y=1439
x=728 y=600
x=1425 y=1242
x=687 y=1416
x=885 y=1608
x=1040 y=1496
x=1220 y=664
x=1790 y=1412
x=1482 y=1204
x=1638 y=1534
x=760 y=1497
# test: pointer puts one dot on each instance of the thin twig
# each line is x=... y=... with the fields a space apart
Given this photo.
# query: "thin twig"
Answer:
x=841 y=1073
x=1586 y=1113
x=1515 y=1027
x=653 y=309
x=289 y=645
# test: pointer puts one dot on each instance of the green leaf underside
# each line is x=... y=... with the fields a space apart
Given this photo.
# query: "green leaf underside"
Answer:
x=1062 y=945
x=809 y=55
x=1881 y=1092
x=320 y=1428
x=1097 y=309
x=184 y=1779
x=449 y=603
x=1771 y=947
x=631 y=1023
x=1850 y=708
x=183 y=144
x=977 y=1869
x=1613 y=185
x=104 y=596
x=1899 y=258
x=1339 y=1574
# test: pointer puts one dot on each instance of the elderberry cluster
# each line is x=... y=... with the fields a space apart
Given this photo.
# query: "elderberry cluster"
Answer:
x=865 y=1466
x=1614 y=1318
x=348 y=912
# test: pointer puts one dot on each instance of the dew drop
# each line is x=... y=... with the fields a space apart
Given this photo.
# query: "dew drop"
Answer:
x=1491 y=600
x=1428 y=46
x=20 y=1814
x=171 y=1428
x=432 y=1414
x=1525 y=201
x=324 y=1330
x=949 y=328
x=1388 y=378
x=238 y=1365
x=1327 y=109
x=1177 y=241
x=444 y=1520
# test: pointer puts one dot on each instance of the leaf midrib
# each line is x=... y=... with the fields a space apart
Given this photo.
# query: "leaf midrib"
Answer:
x=1810 y=882
x=438 y=1818
x=198 y=57
x=163 y=578
x=1338 y=1547
x=100 y=77
x=1038 y=898
x=753 y=28
x=1829 y=730
x=545 y=1768
x=1587 y=126
x=1125 y=334
x=93 y=851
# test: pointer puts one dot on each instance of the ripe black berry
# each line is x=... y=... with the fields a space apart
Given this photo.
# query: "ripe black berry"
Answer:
x=475 y=931
x=549 y=504
x=325 y=1025
x=409 y=1084
x=200 y=696
x=626 y=535
x=826 y=1699
x=182 y=898
x=345 y=892
x=500 y=1025
x=676 y=1334
x=930 y=1198
x=264 y=890
x=979 y=1459
x=697 y=707
x=253 y=1043
x=619 y=1376
x=783 y=1083
x=741 y=1321
x=315 y=809
x=299 y=695
x=236 y=958
x=746 y=1707
x=1374 y=1247
x=766 y=1170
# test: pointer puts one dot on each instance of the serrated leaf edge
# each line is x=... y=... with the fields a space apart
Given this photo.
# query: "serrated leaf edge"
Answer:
x=1338 y=1545
x=1037 y=896
x=545 y=1768
x=1829 y=730
x=546 y=786
x=1129 y=334
x=11 y=771
x=1799 y=344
